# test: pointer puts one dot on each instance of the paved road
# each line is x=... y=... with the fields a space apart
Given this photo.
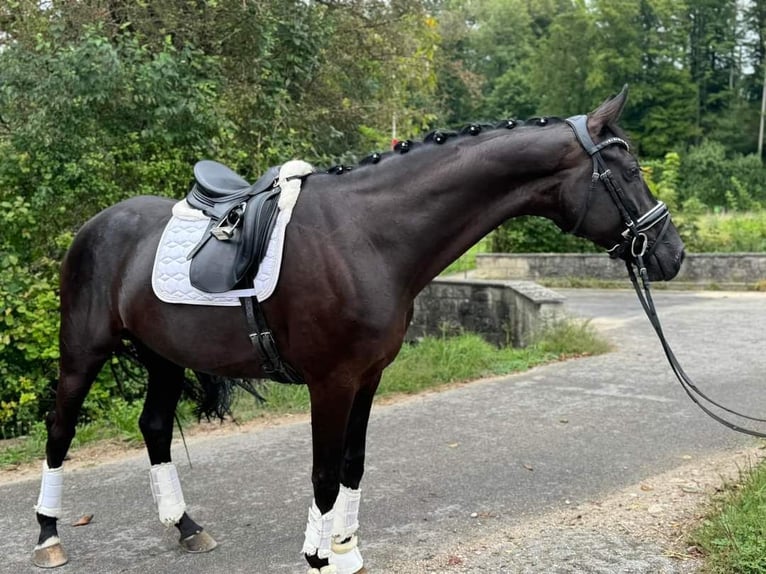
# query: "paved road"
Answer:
x=437 y=458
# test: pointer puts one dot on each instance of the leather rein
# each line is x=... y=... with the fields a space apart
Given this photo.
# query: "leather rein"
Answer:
x=635 y=240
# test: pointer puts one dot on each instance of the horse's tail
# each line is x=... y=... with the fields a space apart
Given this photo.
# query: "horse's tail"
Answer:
x=212 y=395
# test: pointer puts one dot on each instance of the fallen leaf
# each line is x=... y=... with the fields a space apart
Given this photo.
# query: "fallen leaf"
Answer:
x=454 y=561
x=528 y=466
x=453 y=444
x=646 y=487
x=84 y=520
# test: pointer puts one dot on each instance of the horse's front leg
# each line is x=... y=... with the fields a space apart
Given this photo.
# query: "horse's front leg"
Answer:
x=156 y=424
x=331 y=541
x=330 y=410
x=345 y=548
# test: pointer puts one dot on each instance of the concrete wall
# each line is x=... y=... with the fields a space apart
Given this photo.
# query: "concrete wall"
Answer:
x=720 y=268
x=500 y=311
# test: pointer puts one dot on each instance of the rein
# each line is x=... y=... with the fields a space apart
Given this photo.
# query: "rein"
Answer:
x=635 y=240
x=691 y=389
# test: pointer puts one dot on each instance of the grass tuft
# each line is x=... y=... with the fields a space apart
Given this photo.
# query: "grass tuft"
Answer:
x=733 y=536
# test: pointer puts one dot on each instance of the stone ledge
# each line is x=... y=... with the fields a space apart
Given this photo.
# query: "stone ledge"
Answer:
x=503 y=312
x=720 y=268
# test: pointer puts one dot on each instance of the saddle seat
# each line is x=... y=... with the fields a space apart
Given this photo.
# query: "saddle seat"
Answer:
x=218 y=188
x=215 y=180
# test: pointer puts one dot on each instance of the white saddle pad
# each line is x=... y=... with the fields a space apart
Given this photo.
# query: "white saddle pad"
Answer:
x=170 y=276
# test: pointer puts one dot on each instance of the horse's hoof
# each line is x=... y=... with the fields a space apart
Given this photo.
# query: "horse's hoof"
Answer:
x=199 y=542
x=50 y=556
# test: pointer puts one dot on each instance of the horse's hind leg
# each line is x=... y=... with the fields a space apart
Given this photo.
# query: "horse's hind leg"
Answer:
x=78 y=367
x=156 y=423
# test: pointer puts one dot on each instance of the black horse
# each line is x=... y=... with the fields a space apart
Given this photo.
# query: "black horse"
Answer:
x=360 y=247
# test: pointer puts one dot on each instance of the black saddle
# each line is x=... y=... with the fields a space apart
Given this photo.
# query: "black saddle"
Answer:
x=242 y=217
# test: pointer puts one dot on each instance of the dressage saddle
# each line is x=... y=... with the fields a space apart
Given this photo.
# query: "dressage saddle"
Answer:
x=242 y=217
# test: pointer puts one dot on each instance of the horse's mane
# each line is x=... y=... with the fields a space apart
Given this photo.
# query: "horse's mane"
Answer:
x=440 y=136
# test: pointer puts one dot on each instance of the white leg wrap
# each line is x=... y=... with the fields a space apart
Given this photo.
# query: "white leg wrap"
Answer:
x=51 y=489
x=318 y=533
x=346 y=556
x=167 y=493
x=325 y=570
x=346 y=513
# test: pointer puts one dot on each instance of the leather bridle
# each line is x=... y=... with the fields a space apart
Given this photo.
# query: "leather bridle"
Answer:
x=635 y=240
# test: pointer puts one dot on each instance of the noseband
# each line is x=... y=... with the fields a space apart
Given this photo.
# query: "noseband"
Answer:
x=634 y=242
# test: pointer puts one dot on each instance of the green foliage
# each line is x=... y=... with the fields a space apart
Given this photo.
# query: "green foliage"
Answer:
x=28 y=322
x=570 y=337
x=733 y=536
x=536 y=235
x=90 y=122
x=729 y=233
x=662 y=178
x=708 y=174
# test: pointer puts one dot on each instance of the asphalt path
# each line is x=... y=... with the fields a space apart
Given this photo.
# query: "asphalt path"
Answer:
x=513 y=448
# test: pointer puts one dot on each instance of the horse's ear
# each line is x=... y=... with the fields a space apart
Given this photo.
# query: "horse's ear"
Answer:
x=608 y=112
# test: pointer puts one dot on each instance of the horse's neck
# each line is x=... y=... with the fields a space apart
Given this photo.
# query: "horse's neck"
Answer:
x=435 y=208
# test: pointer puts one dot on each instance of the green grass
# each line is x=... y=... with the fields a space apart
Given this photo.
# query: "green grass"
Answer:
x=428 y=364
x=467 y=261
x=733 y=536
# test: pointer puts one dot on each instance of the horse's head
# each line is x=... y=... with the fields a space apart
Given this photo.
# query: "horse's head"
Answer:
x=606 y=200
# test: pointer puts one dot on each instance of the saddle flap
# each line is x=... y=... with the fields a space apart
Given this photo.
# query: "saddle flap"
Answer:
x=223 y=262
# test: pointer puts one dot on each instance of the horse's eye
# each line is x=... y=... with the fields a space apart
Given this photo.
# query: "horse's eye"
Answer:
x=633 y=172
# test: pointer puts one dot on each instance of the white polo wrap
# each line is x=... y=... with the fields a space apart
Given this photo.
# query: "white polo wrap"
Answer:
x=346 y=513
x=318 y=532
x=51 y=490
x=167 y=493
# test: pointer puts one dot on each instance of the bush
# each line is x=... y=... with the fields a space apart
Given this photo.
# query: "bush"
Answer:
x=530 y=234
x=729 y=233
x=89 y=123
x=719 y=181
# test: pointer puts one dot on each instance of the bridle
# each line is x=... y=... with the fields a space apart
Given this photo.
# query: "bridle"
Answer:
x=635 y=240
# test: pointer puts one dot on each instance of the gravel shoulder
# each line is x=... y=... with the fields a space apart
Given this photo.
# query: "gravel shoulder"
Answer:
x=642 y=528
